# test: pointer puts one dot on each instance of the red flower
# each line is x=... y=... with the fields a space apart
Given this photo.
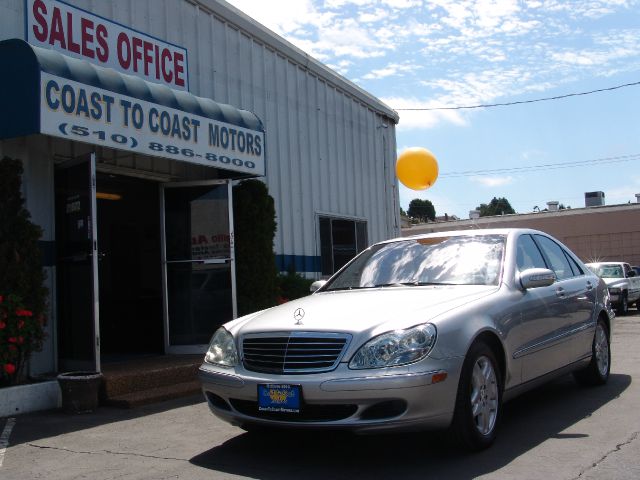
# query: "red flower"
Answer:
x=9 y=368
x=20 y=324
x=24 y=313
x=20 y=340
x=2 y=325
x=1 y=299
x=12 y=339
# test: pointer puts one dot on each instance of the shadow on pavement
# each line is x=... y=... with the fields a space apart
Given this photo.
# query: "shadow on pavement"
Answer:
x=51 y=423
x=528 y=421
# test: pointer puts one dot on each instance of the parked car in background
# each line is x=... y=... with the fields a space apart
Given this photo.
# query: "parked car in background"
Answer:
x=622 y=281
x=636 y=269
x=426 y=332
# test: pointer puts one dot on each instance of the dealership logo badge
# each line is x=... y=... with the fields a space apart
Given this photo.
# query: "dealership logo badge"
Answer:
x=298 y=315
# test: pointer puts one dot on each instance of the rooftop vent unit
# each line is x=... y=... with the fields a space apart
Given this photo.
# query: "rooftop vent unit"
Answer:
x=553 y=206
x=593 y=199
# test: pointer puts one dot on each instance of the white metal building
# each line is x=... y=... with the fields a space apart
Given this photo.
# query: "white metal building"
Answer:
x=132 y=118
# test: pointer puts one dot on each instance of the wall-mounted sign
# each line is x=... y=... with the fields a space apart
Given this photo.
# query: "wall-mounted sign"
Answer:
x=84 y=113
x=77 y=33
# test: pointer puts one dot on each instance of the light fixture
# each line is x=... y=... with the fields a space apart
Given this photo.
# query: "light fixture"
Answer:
x=108 y=196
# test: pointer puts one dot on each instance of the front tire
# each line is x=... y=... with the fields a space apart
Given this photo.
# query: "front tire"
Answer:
x=597 y=372
x=479 y=400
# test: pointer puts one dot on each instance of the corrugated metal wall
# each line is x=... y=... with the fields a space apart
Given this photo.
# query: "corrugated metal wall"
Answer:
x=330 y=147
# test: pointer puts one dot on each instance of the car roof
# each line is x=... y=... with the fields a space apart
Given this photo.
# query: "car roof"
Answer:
x=470 y=232
x=605 y=263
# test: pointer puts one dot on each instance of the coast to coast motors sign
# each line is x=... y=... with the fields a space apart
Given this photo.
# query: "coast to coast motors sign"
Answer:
x=84 y=113
x=74 y=32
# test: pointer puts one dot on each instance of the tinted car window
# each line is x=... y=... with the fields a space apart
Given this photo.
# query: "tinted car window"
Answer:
x=528 y=255
x=577 y=271
x=555 y=255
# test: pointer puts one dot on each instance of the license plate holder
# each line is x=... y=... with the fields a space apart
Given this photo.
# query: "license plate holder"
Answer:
x=279 y=398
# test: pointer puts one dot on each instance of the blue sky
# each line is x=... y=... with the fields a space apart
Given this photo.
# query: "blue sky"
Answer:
x=449 y=53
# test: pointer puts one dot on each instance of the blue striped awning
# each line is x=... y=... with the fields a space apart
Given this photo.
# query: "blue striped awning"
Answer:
x=22 y=65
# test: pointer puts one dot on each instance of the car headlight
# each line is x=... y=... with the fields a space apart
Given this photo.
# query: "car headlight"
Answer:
x=396 y=348
x=614 y=290
x=222 y=349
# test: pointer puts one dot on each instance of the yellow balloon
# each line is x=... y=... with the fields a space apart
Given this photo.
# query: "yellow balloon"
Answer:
x=417 y=168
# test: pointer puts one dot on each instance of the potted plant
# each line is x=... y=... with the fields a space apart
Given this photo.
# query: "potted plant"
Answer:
x=80 y=391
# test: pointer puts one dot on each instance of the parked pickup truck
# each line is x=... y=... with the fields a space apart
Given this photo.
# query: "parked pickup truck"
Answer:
x=622 y=281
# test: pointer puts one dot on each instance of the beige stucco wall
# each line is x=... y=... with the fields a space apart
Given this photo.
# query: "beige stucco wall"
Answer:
x=595 y=233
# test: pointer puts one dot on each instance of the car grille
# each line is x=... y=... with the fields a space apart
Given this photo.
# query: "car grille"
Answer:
x=296 y=352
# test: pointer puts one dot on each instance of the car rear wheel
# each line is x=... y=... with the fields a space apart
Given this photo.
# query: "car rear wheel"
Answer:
x=479 y=399
x=597 y=372
x=623 y=309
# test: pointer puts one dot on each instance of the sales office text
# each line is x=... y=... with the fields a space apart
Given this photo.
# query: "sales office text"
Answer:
x=71 y=31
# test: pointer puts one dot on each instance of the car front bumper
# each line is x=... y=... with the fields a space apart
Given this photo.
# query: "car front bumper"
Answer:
x=400 y=398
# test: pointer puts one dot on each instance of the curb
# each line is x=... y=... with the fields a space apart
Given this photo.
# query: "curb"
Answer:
x=29 y=398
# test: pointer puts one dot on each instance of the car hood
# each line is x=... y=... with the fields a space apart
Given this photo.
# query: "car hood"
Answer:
x=615 y=282
x=365 y=310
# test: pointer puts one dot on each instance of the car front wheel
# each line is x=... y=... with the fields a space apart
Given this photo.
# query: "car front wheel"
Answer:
x=479 y=399
x=597 y=372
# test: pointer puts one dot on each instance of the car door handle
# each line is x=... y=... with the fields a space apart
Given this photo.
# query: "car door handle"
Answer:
x=589 y=286
x=560 y=292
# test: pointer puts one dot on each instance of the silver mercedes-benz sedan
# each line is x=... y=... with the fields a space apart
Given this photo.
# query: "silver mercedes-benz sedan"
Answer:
x=427 y=332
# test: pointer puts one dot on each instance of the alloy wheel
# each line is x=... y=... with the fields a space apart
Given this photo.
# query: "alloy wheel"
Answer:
x=484 y=395
x=602 y=350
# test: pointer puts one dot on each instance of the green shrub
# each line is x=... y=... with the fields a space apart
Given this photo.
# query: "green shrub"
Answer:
x=255 y=227
x=292 y=286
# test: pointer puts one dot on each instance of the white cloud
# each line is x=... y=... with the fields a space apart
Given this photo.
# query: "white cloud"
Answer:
x=372 y=17
x=460 y=52
x=392 y=70
x=402 y=4
x=410 y=120
x=492 y=181
x=282 y=16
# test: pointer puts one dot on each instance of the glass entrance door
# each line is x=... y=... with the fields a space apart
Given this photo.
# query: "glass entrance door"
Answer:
x=77 y=265
x=198 y=263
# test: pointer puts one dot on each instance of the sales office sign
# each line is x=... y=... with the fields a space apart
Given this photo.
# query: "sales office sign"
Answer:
x=84 y=113
x=77 y=33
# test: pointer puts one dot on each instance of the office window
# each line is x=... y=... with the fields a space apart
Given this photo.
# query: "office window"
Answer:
x=340 y=241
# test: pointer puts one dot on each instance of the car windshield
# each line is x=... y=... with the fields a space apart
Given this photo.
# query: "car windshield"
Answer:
x=457 y=260
x=609 y=271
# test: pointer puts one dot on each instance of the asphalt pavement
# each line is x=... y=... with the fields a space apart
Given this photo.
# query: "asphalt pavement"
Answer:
x=559 y=431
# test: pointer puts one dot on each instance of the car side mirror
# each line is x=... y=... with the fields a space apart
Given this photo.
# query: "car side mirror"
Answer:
x=317 y=285
x=631 y=273
x=537 y=277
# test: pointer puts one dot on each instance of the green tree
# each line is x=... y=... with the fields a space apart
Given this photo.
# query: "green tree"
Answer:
x=22 y=291
x=255 y=227
x=422 y=209
x=497 y=206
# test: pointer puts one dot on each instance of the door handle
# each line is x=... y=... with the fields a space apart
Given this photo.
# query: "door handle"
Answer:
x=560 y=292
x=589 y=286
